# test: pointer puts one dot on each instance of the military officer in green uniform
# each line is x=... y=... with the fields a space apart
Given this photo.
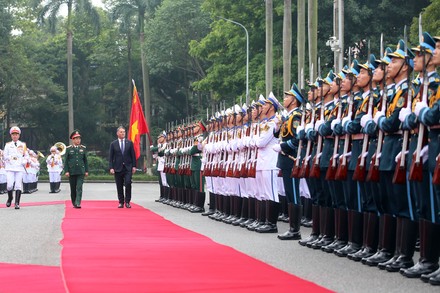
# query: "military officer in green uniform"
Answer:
x=76 y=167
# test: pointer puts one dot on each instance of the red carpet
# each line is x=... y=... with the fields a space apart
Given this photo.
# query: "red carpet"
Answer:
x=17 y=278
x=106 y=249
x=36 y=203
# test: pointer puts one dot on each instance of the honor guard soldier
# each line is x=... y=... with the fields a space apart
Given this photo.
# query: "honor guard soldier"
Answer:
x=76 y=168
x=197 y=180
x=158 y=154
x=332 y=142
x=398 y=207
x=287 y=149
x=387 y=222
x=16 y=157
x=321 y=155
x=421 y=182
x=428 y=113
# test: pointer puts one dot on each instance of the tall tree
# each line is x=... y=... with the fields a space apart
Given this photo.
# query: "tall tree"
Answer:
x=313 y=36
x=51 y=10
x=269 y=46
x=287 y=44
x=301 y=39
x=142 y=9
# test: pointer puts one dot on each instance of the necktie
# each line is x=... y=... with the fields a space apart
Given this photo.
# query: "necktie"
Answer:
x=15 y=143
x=122 y=145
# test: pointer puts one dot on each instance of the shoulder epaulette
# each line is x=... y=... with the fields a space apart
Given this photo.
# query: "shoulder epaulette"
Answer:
x=70 y=146
x=83 y=146
x=404 y=86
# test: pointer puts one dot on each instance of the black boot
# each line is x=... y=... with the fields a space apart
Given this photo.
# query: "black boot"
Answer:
x=218 y=207
x=307 y=212
x=211 y=209
x=370 y=238
x=244 y=214
x=57 y=187
x=234 y=206
x=407 y=247
x=387 y=241
x=283 y=214
x=341 y=231
x=429 y=251
x=354 y=234
x=260 y=216
x=328 y=228
x=270 y=225
x=199 y=206
x=52 y=187
x=435 y=278
x=17 y=199
x=26 y=188
x=10 y=198
x=295 y=213
x=251 y=212
x=315 y=227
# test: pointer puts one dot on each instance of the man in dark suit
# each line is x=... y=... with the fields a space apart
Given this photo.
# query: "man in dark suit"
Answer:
x=122 y=163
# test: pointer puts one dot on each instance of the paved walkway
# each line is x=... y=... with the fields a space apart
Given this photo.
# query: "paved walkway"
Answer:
x=31 y=235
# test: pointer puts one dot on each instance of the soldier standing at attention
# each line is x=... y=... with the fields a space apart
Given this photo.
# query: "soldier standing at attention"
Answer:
x=76 y=167
x=15 y=156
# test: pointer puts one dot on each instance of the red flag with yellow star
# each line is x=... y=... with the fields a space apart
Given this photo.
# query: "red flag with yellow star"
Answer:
x=138 y=126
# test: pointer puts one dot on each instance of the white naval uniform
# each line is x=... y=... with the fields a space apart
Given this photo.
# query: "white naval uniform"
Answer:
x=54 y=167
x=16 y=157
x=267 y=170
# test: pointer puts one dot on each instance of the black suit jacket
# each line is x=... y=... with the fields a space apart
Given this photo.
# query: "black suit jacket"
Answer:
x=117 y=159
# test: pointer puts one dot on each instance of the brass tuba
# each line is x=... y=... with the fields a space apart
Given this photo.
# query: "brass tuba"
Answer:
x=61 y=147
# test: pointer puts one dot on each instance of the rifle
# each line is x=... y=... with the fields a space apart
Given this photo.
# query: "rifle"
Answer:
x=315 y=171
x=416 y=169
x=230 y=172
x=305 y=168
x=360 y=172
x=341 y=172
x=373 y=173
x=247 y=150
x=296 y=168
x=252 y=169
x=399 y=176
x=333 y=166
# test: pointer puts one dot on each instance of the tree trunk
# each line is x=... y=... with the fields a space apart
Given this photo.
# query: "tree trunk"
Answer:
x=269 y=46
x=313 y=37
x=287 y=44
x=130 y=77
x=70 y=81
x=301 y=40
x=147 y=100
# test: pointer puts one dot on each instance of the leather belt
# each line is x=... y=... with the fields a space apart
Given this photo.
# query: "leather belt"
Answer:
x=357 y=136
x=394 y=133
x=434 y=127
x=329 y=137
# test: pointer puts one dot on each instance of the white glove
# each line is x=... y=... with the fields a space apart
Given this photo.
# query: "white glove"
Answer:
x=151 y=146
x=404 y=112
x=365 y=119
x=155 y=156
x=419 y=106
x=276 y=148
x=424 y=153
x=335 y=156
x=364 y=155
x=378 y=115
x=309 y=127
x=348 y=155
x=396 y=159
x=345 y=120
x=319 y=155
x=318 y=123
x=200 y=139
x=334 y=122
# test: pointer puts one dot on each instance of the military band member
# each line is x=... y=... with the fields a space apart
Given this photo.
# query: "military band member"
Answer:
x=16 y=156
x=76 y=168
x=54 y=166
x=286 y=149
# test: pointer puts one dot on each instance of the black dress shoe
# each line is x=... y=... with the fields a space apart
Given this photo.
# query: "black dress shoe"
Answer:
x=120 y=206
x=127 y=205
x=77 y=207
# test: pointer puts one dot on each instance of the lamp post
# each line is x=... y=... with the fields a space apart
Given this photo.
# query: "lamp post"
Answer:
x=247 y=56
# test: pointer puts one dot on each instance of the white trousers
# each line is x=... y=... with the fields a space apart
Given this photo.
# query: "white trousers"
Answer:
x=14 y=177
